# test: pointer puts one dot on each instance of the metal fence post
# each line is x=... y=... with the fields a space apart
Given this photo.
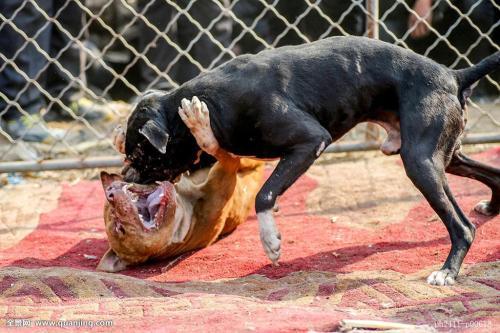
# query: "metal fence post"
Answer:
x=372 y=18
x=372 y=131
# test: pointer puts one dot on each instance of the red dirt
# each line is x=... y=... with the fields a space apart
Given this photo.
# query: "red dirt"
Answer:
x=309 y=242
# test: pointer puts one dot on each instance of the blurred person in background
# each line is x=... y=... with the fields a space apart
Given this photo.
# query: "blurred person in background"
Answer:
x=484 y=14
x=29 y=19
x=271 y=28
x=443 y=17
x=160 y=53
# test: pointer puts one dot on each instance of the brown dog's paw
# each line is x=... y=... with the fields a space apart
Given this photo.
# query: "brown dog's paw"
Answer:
x=195 y=115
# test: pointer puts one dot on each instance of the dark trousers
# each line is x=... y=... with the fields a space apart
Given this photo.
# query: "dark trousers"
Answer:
x=161 y=54
x=33 y=63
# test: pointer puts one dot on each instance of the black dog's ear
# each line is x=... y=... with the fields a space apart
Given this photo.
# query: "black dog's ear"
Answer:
x=156 y=135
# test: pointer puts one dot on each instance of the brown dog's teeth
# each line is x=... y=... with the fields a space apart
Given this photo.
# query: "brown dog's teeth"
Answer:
x=134 y=197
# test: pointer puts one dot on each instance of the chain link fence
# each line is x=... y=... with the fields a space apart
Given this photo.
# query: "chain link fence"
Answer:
x=70 y=70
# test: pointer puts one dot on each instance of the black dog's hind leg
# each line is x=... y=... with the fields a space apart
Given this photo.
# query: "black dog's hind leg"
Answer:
x=297 y=159
x=430 y=129
x=461 y=165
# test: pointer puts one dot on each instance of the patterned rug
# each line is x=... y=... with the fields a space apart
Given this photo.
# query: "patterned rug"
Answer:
x=333 y=266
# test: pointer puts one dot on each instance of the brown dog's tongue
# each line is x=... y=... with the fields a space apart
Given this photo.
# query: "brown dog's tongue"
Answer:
x=154 y=201
x=149 y=206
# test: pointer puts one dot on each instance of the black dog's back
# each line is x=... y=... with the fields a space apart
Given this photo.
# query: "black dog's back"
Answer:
x=257 y=101
x=337 y=81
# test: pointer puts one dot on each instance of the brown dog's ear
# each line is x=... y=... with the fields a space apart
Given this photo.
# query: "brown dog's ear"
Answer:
x=156 y=135
x=111 y=263
x=108 y=178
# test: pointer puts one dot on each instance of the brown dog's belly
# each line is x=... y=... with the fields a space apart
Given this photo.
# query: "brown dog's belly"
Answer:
x=233 y=211
x=250 y=178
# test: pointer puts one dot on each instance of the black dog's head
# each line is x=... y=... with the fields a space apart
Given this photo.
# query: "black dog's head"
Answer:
x=158 y=146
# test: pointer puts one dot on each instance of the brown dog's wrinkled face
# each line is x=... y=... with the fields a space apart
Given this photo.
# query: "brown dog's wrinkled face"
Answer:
x=139 y=218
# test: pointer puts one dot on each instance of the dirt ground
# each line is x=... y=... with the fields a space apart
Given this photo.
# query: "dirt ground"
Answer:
x=358 y=242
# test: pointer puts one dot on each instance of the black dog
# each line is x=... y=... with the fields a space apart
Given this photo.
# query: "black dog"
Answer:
x=292 y=102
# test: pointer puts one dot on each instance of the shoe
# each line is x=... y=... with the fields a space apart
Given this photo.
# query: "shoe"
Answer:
x=82 y=107
x=30 y=128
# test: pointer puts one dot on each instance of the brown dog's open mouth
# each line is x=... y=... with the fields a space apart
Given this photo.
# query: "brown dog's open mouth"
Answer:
x=150 y=201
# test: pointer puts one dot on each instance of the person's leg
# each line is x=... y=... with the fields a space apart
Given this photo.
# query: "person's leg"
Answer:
x=13 y=46
x=354 y=21
x=484 y=15
x=204 y=50
x=13 y=85
x=248 y=11
x=159 y=14
x=70 y=56
x=67 y=52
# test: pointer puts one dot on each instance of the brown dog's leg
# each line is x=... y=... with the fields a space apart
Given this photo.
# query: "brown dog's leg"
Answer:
x=213 y=208
x=195 y=115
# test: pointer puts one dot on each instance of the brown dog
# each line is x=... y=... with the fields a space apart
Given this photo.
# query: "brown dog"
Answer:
x=146 y=222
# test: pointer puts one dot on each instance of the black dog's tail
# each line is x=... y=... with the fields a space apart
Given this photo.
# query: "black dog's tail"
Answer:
x=467 y=76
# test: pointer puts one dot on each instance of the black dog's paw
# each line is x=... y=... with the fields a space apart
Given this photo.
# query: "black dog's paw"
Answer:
x=269 y=236
x=444 y=277
x=484 y=207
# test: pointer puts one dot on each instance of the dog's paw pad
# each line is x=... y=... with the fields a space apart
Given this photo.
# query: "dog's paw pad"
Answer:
x=443 y=277
x=484 y=208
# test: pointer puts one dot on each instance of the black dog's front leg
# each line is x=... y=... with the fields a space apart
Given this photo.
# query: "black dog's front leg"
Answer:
x=304 y=140
x=290 y=167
